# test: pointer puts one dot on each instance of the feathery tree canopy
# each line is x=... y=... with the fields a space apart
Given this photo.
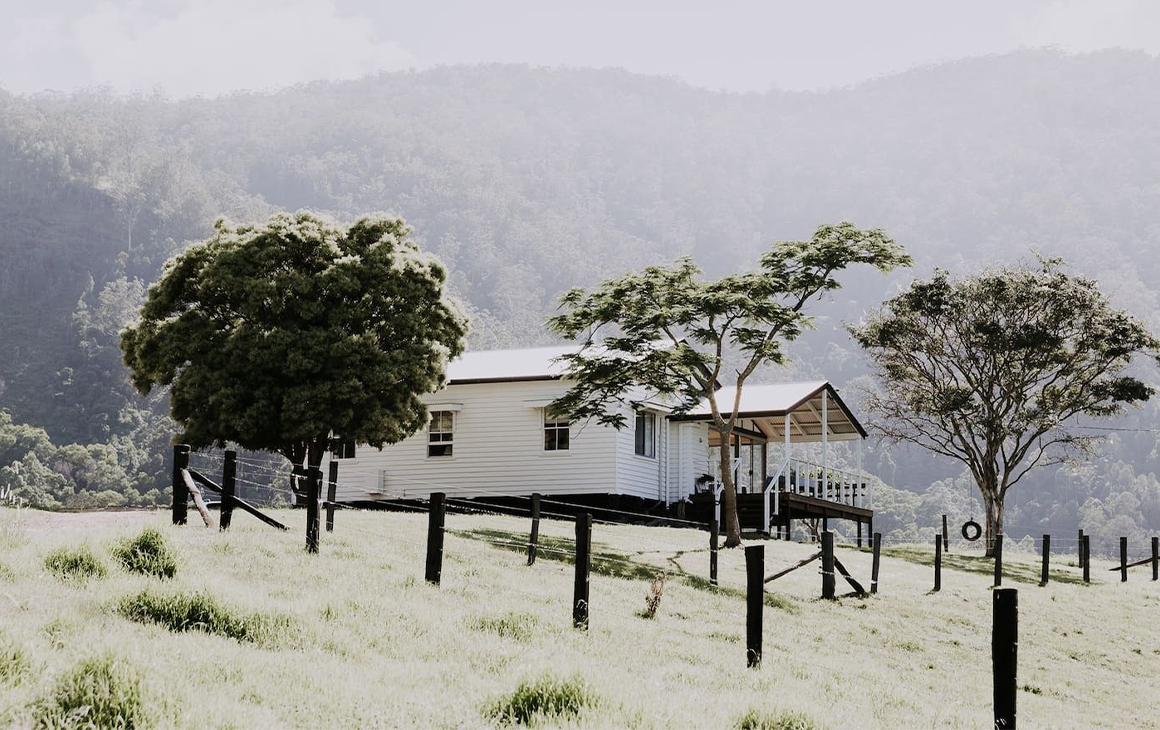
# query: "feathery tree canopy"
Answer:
x=994 y=370
x=666 y=332
x=279 y=336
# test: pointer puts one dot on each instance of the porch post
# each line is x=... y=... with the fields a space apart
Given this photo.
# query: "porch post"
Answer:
x=826 y=444
x=858 y=488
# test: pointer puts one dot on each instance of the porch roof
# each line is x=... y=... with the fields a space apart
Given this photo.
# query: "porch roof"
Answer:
x=768 y=405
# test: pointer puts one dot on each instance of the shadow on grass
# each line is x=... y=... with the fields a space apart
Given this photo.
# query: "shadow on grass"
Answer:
x=1017 y=571
x=616 y=565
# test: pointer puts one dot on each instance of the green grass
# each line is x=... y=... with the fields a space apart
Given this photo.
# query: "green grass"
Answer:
x=758 y=720
x=544 y=700
x=100 y=692
x=147 y=554
x=15 y=663
x=354 y=637
x=74 y=564
x=1017 y=571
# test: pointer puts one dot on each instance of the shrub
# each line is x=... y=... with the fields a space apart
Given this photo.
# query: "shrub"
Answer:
x=100 y=692
x=511 y=625
x=74 y=564
x=200 y=612
x=544 y=699
x=653 y=600
x=14 y=661
x=147 y=554
x=757 y=720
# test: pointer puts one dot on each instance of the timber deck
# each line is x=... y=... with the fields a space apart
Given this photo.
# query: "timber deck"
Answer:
x=791 y=506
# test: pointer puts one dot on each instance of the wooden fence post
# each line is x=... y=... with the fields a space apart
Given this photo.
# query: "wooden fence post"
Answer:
x=331 y=493
x=436 y=515
x=828 y=581
x=1079 y=547
x=754 y=603
x=946 y=540
x=859 y=533
x=1004 y=650
x=534 y=536
x=229 y=487
x=1123 y=560
x=1046 y=560
x=877 y=560
x=1086 y=556
x=1156 y=558
x=180 y=492
x=313 y=494
x=938 y=551
x=998 y=559
x=713 y=538
x=580 y=593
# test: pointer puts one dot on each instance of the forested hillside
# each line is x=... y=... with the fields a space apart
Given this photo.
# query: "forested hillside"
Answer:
x=528 y=181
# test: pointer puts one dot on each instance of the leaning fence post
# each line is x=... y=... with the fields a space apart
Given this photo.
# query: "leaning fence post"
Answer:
x=1123 y=560
x=313 y=493
x=1004 y=650
x=229 y=487
x=938 y=551
x=331 y=493
x=1046 y=560
x=1086 y=556
x=828 y=565
x=1156 y=558
x=946 y=541
x=436 y=514
x=713 y=537
x=875 y=563
x=998 y=559
x=534 y=537
x=580 y=593
x=180 y=492
x=754 y=603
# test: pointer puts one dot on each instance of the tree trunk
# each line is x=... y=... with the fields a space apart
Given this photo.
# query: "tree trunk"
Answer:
x=729 y=497
x=992 y=522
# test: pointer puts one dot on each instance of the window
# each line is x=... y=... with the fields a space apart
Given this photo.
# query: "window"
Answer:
x=555 y=432
x=646 y=434
x=440 y=433
x=341 y=448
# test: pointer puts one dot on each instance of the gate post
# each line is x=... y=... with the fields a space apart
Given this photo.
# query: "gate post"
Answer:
x=180 y=506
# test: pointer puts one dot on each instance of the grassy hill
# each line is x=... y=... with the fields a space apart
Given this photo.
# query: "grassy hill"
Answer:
x=354 y=637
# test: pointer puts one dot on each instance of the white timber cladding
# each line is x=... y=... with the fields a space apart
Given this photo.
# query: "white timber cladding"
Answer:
x=637 y=475
x=689 y=446
x=498 y=449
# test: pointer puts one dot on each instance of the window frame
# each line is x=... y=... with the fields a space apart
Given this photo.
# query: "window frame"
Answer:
x=555 y=425
x=645 y=434
x=449 y=433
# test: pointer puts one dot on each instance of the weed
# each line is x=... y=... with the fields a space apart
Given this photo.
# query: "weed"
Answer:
x=912 y=646
x=77 y=564
x=1032 y=689
x=14 y=661
x=7 y=575
x=147 y=554
x=757 y=720
x=201 y=612
x=100 y=692
x=511 y=625
x=545 y=699
x=652 y=601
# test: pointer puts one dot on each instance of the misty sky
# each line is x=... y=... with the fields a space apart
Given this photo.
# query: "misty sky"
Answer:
x=209 y=47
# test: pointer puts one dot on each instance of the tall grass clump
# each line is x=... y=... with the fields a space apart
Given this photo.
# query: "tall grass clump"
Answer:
x=510 y=625
x=77 y=564
x=147 y=554
x=757 y=720
x=15 y=662
x=201 y=612
x=100 y=692
x=546 y=699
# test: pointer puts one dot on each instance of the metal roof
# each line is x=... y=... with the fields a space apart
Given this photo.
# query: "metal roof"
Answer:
x=498 y=366
x=772 y=399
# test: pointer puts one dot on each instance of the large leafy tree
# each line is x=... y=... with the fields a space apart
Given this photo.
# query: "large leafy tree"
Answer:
x=667 y=332
x=994 y=370
x=279 y=336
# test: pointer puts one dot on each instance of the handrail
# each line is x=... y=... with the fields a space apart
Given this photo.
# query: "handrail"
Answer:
x=782 y=468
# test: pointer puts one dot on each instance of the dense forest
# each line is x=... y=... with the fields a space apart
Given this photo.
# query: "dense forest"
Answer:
x=527 y=181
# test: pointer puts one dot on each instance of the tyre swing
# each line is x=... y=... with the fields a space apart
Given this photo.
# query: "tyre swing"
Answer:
x=972 y=530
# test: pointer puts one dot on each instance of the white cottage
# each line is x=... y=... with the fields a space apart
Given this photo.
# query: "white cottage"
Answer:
x=490 y=436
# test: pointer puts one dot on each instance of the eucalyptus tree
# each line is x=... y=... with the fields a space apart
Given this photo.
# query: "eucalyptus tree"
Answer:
x=278 y=336
x=993 y=370
x=667 y=332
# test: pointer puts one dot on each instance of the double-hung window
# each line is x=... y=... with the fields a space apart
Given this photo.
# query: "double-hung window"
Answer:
x=342 y=448
x=646 y=434
x=441 y=433
x=556 y=432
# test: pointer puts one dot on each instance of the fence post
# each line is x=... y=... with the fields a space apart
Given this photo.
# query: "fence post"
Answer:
x=1156 y=558
x=436 y=514
x=877 y=560
x=713 y=539
x=313 y=492
x=1046 y=560
x=331 y=493
x=828 y=565
x=754 y=603
x=180 y=493
x=946 y=540
x=1079 y=547
x=938 y=551
x=534 y=536
x=229 y=486
x=580 y=593
x=1123 y=560
x=998 y=559
x=1004 y=650
x=1086 y=556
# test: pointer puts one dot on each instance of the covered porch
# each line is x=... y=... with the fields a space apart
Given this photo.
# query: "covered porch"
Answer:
x=777 y=481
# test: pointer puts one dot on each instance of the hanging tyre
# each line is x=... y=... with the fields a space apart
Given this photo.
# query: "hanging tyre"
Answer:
x=972 y=530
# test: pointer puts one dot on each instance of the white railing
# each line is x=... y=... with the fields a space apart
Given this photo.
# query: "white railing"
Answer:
x=771 y=486
x=833 y=485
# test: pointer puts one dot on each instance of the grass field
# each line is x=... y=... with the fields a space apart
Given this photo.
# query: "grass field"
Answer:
x=353 y=637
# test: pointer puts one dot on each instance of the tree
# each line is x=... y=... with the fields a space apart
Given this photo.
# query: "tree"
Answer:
x=993 y=370
x=278 y=337
x=700 y=324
